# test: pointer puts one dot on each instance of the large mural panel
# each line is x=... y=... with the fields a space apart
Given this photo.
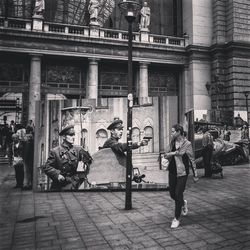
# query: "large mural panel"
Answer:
x=91 y=120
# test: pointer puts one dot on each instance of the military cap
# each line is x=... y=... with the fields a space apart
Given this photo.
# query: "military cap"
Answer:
x=117 y=123
x=67 y=130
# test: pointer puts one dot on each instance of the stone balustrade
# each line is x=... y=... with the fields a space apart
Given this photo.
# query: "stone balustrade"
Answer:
x=85 y=31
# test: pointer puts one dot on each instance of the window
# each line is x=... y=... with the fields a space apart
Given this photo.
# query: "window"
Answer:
x=148 y=131
x=101 y=137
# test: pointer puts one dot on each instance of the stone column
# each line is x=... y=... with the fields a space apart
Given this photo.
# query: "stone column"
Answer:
x=34 y=84
x=92 y=89
x=143 y=83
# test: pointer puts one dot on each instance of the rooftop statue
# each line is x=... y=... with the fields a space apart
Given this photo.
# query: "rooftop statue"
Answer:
x=39 y=7
x=93 y=11
x=145 y=16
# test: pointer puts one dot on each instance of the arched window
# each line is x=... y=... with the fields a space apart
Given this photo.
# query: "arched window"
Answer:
x=148 y=132
x=136 y=138
x=101 y=137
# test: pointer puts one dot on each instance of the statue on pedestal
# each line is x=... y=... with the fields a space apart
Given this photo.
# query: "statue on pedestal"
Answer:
x=145 y=16
x=93 y=11
x=39 y=7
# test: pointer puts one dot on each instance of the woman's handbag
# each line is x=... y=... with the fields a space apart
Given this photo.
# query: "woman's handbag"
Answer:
x=164 y=162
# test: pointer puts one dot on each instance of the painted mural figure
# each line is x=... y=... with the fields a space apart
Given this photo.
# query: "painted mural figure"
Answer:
x=116 y=130
x=63 y=161
x=93 y=10
x=39 y=7
x=145 y=16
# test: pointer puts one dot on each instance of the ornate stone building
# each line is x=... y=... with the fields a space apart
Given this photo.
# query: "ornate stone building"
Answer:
x=196 y=53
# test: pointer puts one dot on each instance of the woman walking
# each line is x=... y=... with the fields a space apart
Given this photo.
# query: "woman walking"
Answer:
x=181 y=157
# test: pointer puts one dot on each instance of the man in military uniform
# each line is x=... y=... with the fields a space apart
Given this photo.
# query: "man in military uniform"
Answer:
x=116 y=130
x=62 y=163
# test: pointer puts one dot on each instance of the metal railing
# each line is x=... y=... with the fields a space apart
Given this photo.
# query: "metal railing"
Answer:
x=12 y=84
x=62 y=85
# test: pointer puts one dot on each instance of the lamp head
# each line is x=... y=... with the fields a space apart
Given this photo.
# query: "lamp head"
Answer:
x=130 y=9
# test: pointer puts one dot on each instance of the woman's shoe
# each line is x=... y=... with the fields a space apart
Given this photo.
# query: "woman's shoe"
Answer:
x=175 y=223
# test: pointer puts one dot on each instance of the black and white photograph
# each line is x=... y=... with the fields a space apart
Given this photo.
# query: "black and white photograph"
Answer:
x=124 y=124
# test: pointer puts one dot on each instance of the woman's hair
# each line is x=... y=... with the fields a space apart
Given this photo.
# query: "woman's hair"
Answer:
x=179 y=128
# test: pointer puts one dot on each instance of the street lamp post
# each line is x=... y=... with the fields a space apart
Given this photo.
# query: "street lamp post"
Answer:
x=130 y=10
x=246 y=93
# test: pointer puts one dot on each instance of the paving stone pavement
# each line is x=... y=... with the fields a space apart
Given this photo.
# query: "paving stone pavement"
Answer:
x=218 y=218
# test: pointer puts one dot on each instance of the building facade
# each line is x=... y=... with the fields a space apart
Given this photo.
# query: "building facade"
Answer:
x=195 y=51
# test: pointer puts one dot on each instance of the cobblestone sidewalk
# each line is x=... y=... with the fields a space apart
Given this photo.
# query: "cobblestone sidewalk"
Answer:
x=218 y=218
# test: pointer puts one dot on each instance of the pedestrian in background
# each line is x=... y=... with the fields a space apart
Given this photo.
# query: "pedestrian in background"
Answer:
x=181 y=157
x=16 y=159
x=226 y=134
x=28 y=157
x=207 y=152
x=6 y=138
x=30 y=128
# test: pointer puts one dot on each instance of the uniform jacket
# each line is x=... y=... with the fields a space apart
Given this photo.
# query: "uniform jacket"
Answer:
x=64 y=160
x=118 y=147
x=185 y=147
